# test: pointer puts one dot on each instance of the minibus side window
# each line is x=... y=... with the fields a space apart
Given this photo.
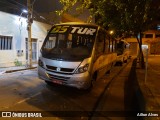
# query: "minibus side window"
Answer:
x=51 y=42
x=113 y=45
x=109 y=47
x=100 y=43
x=106 y=45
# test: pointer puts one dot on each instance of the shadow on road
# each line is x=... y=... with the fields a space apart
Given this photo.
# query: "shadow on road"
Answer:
x=133 y=98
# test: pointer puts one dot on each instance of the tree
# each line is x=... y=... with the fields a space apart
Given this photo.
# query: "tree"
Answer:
x=124 y=16
x=140 y=16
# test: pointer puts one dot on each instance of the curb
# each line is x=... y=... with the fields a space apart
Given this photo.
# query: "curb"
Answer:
x=10 y=71
x=146 y=98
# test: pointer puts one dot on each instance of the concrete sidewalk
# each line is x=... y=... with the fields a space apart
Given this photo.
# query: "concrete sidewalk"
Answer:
x=15 y=68
x=150 y=87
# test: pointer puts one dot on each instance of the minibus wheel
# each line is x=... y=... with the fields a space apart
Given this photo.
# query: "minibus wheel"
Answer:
x=120 y=63
x=94 y=78
x=89 y=87
x=49 y=83
x=125 y=61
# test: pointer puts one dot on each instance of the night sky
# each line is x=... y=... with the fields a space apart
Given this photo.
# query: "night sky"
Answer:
x=46 y=5
x=39 y=5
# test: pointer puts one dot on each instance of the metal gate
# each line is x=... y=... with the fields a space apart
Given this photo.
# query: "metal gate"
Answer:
x=34 y=49
x=133 y=48
x=155 y=48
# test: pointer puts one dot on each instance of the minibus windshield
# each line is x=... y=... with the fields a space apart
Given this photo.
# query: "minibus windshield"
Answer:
x=71 y=43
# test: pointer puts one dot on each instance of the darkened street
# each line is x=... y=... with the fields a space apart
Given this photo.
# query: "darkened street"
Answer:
x=108 y=99
x=80 y=59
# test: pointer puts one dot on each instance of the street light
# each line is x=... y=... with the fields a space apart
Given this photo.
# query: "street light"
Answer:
x=23 y=11
x=20 y=25
x=110 y=39
x=111 y=32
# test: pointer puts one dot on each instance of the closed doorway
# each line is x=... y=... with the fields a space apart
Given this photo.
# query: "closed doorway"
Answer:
x=34 y=49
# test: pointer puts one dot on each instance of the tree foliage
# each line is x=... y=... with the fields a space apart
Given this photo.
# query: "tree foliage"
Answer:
x=125 y=17
x=121 y=15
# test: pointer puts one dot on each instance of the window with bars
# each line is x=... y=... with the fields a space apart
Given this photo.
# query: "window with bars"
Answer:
x=6 y=43
x=157 y=35
x=149 y=35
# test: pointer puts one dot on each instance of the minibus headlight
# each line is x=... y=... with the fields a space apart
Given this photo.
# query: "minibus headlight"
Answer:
x=40 y=63
x=82 y=69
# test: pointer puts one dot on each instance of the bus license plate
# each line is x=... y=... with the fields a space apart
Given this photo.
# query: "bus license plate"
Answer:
x=57 y=81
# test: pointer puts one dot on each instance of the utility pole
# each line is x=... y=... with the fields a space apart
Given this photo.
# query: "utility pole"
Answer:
x=29 y=21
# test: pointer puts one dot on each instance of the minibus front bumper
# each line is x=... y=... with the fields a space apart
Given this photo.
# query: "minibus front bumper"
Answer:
x=80 y=81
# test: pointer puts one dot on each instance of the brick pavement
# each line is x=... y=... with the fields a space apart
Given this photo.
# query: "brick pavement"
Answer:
x=150 y=87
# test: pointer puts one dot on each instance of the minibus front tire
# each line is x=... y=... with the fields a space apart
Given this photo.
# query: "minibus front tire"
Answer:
x=48 y=82
x=89 y=87
x=94 y=78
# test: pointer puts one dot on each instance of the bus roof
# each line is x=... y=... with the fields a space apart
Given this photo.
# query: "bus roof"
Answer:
x=77 y=23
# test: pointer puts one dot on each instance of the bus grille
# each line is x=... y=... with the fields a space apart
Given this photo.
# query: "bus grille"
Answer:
x=62 y=69
x=58 y=77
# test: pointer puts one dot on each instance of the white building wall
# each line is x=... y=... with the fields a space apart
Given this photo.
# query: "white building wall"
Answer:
x=12 y=25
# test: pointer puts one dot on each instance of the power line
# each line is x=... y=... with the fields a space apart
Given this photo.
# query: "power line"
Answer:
x=10 y=7
x=5 y=2
x=18 y=6
x=18 y=3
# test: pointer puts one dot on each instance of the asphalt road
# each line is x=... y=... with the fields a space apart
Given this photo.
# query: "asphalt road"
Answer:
x=24 y=91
